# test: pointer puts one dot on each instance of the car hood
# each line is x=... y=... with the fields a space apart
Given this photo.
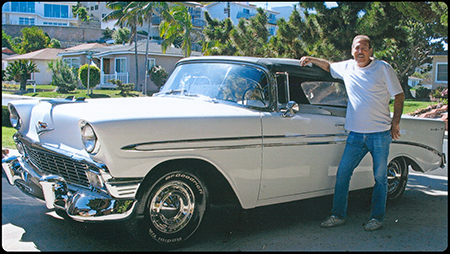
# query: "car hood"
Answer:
x=149 y=107
x=61 y=117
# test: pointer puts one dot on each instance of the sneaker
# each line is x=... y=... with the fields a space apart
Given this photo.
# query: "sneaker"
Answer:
x=373 y=225
x=332 y=221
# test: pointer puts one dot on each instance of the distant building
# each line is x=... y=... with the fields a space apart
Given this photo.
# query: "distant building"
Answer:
x=236 y=11
x=286 y=11
x=118 y=61
x=440 y=69
x=41 y=58
x=38 y=13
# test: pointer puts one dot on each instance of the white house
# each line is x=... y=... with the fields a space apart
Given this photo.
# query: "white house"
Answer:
x=41 y=58
x=236 y=11
x=38 y=13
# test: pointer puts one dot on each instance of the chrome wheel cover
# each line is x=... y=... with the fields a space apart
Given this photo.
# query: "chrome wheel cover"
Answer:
x=172 y=207
x=394 y=174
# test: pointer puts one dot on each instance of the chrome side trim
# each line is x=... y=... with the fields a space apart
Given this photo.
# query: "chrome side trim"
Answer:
x=123 y=187
x=147 y=145
x=429 y=148
x=418 y=145
x=136 y=146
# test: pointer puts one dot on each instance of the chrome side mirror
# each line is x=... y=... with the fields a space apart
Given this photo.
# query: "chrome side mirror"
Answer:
x=291 y=109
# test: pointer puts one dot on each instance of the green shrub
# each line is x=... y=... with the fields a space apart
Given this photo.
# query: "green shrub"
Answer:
x=440 y=92
x=124 y=88
x=5 y=117
x=422 y=93
x=63 y=76
x=94 y=75
x=158 y=75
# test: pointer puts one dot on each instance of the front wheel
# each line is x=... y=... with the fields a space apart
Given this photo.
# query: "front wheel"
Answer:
x=175 y=206
x=397 y=173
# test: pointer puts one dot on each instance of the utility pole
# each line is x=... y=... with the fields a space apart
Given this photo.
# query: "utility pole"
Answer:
x=89 y=57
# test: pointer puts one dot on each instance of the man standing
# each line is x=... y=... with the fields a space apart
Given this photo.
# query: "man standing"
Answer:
x=370 y=83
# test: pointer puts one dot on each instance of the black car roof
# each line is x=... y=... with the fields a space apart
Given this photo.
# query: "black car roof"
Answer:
x=291 y=66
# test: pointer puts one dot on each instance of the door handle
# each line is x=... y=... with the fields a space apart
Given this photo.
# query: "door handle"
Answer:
x=340 y=125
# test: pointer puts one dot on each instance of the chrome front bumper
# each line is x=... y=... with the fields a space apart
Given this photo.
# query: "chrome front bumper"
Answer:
x=80 y=203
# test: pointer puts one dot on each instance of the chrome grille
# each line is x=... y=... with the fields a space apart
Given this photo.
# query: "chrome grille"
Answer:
x=71 y=170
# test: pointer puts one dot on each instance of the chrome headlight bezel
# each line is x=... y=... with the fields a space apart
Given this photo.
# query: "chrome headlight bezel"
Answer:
x=89 y=138
x=14 y=117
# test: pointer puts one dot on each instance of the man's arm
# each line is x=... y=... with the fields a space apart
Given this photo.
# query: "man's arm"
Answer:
x=322 y=63
x=398 y=110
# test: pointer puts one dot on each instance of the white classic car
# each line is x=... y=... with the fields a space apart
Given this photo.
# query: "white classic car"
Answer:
x=252 y=131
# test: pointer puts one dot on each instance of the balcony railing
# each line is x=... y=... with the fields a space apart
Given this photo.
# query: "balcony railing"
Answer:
x=244 y=15
x=195 y=22
x=105 y=77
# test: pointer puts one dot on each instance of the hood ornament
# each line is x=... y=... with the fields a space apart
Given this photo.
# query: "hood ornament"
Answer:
x=42 y=127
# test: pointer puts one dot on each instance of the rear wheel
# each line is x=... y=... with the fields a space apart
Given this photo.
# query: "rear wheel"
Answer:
x=397 y=178
x=175 y=206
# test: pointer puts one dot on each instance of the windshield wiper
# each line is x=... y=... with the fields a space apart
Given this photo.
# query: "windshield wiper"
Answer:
x=180 y=91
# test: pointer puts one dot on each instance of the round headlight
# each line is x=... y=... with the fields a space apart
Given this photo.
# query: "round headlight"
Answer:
x=88 y=136
x=14 y=117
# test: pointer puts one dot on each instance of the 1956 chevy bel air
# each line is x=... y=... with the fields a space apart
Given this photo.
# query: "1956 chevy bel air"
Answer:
x=254 y=131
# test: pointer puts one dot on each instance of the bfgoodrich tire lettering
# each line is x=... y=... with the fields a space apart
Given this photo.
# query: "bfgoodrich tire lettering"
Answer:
x=175 y=206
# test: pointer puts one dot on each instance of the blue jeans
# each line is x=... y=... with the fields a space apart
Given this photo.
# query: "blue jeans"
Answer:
x=357 y=146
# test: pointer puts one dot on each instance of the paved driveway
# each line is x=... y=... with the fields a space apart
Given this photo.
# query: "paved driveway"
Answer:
x=418 y=222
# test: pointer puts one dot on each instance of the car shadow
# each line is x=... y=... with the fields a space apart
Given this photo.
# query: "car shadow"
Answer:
x=225 y=225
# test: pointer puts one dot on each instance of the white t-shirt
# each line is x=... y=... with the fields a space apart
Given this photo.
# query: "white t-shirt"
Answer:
x=369 y=91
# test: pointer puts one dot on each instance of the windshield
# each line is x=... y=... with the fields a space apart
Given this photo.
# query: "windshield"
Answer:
x=242 y=84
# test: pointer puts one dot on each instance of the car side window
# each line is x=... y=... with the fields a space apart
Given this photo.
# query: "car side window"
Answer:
x=325 y=93
x=306 y=91
x=289 y=89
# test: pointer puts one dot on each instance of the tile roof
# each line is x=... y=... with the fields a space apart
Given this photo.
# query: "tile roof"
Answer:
x=85 y=46
x=153 y=48
x=42 y=54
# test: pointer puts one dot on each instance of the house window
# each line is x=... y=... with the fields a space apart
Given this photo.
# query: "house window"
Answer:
x=26 y=21
x=246 y=11
x=56 y=11
x=22 y=7
x=151 y=62
x=121 y=65
x=441 y=72
x=72 y=62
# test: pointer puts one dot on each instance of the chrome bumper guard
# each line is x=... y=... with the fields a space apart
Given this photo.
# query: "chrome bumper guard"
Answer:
x=80 y=204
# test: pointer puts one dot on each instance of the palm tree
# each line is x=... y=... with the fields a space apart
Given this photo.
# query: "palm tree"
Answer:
x=177 y=22
x=20 y=70
x=146 y=11
x=123 y=12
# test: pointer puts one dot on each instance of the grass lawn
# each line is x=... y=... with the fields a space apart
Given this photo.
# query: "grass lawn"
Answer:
x=47 y=91
x=7 y=141
x=411 y=106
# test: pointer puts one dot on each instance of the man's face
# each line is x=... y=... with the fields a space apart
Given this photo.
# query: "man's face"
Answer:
x=361 y=52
